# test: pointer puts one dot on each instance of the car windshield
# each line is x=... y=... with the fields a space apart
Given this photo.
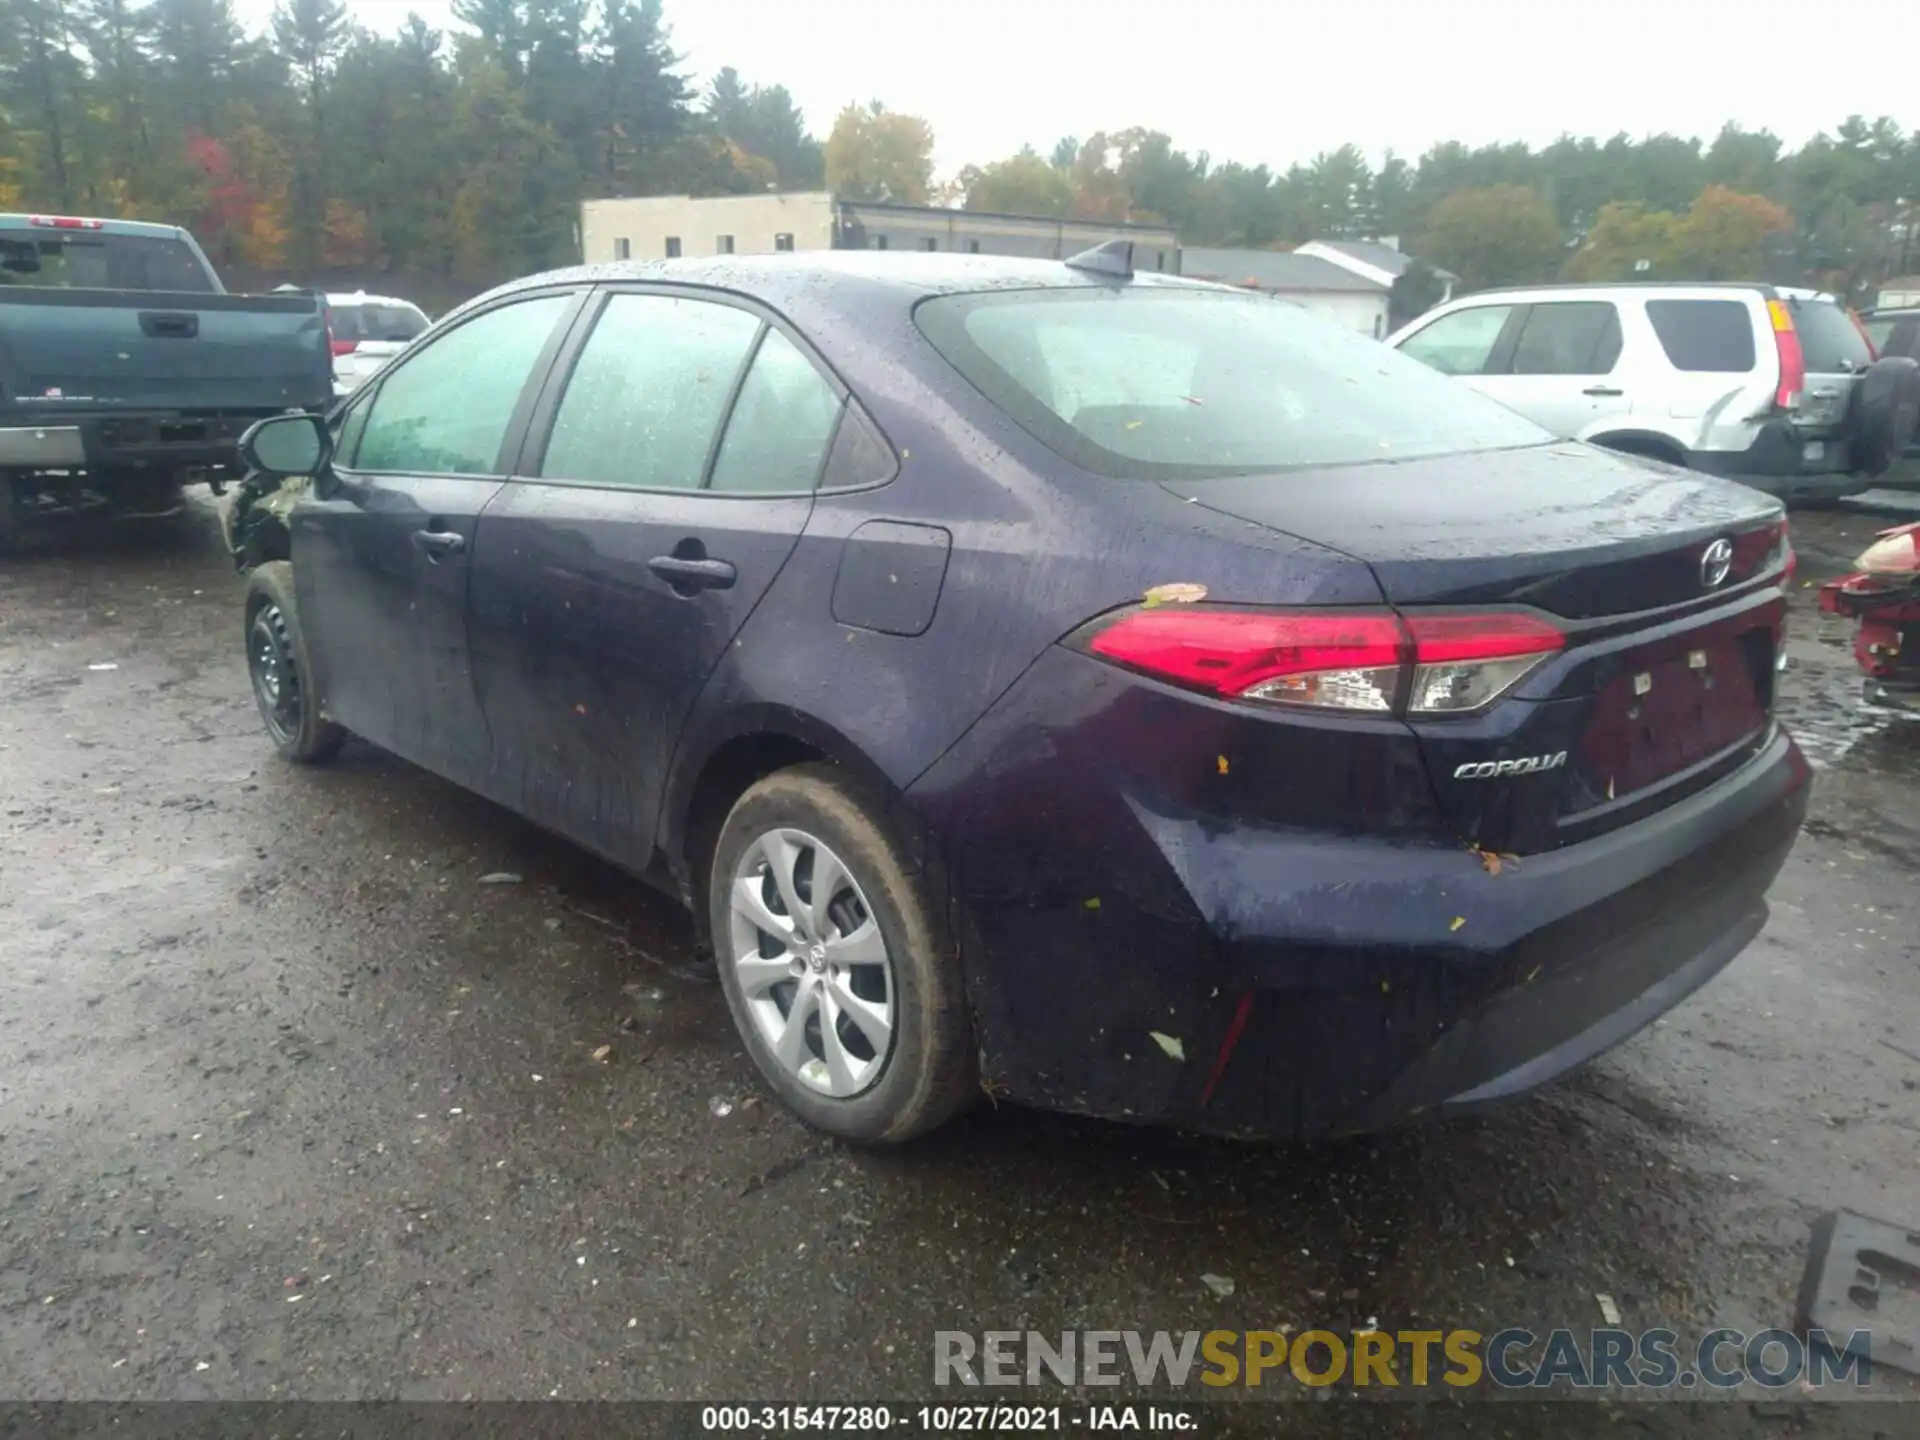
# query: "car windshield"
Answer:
x=365 y=320
x=1176 y=383
x=89 y=260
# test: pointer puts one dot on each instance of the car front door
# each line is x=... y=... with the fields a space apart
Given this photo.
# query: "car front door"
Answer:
x=382 y=551
x=662 y=489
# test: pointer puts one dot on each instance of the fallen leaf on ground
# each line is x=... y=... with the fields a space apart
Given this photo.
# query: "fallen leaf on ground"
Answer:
x=500 y=877
x=1169 y=1044
x=603 y=1054
x=1221 y=1285
x=1223 y=765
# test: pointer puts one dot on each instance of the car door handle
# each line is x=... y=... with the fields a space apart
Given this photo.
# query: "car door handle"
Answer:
x=435 y=543
x=166 y=326
x=685 y=573
x=1602 y=390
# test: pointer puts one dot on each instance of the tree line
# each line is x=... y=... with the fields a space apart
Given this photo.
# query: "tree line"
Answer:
x=316 y=147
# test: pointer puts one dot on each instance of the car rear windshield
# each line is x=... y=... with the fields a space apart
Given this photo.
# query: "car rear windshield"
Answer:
x=1831 y=342
x=376 y=322
x=1173 y=383
x=92 y=261
x=1705 y=335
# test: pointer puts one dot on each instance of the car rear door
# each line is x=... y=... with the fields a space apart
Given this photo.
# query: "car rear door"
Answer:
x=669 y=474
x=1556 y=363
x=381 y=559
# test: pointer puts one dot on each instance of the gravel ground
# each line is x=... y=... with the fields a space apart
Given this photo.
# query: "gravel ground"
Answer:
x=292 y=1106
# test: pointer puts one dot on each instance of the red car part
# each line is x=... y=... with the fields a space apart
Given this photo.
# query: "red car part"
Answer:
x=1884 y=596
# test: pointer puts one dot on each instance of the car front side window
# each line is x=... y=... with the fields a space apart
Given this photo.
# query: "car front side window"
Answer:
x=1460 y=343
x=446 y=409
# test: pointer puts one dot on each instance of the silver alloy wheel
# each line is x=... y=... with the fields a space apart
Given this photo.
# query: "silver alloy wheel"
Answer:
x=813 y=968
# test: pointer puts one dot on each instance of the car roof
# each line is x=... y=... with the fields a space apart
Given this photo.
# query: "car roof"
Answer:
x=1616 y=287
x=143 y=229
x=904 y=276
x=361 y=297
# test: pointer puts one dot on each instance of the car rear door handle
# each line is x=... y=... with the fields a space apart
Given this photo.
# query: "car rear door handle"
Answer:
x=436 y=543
x=685 y=573
x=1602 y=390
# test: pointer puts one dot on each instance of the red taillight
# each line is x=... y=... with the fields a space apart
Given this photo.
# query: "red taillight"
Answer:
x=1365 y=660
x=1461 y=662
x=343 y=347
x=1793 y=360
x=65 y=222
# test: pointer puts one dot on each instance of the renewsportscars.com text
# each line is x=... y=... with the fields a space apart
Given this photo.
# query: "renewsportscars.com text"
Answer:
x=1511 y=1359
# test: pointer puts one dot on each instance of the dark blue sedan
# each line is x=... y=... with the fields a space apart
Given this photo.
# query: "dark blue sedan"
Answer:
x=1116 y=693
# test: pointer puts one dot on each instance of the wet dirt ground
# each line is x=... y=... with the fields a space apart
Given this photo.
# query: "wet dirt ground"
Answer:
x=293 y=1105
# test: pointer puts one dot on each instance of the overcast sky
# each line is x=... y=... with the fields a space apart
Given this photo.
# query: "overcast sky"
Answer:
x=1276 y=81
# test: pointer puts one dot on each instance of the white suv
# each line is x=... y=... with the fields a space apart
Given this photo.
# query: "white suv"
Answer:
x=367 y=331
x=1756 y=382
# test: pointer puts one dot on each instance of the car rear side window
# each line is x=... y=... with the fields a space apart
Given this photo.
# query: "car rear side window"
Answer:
x=357 y=322
x=1168 y=383
x=1573 y=337
x=1705 y=335
x=1829 y=340
x=648 y=393
x=781 y=425
x=444 y=410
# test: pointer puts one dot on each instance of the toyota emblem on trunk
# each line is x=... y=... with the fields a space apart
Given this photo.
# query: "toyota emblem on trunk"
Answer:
x=1715 y=561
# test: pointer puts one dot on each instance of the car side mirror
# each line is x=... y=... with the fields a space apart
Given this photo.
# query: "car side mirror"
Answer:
x=285 y=446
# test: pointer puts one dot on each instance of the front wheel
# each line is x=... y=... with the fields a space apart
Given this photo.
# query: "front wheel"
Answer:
x=838 y=968
x=278 y=666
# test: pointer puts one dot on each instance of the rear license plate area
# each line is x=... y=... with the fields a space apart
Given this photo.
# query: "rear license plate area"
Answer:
x=1670 y=708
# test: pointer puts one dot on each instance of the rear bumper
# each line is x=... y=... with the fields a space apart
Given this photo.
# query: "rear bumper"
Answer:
x=1142 y=961
x=137 y=441
x=1779 y=463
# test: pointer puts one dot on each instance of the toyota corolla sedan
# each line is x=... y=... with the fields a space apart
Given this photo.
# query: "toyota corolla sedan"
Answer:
x=1115 y=693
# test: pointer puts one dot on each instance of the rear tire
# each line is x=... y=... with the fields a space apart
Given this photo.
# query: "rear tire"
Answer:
x=279 y=668
x=855 y=1014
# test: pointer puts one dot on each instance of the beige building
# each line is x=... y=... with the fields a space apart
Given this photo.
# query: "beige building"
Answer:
x=656 y=227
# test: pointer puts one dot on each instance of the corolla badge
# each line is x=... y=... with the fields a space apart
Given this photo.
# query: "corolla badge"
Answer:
x=1715 y=561
x=1526 y=765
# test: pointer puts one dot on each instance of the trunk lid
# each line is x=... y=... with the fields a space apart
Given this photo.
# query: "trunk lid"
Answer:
x=1667 y=676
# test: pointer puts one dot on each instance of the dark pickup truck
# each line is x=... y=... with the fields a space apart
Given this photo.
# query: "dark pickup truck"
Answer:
x=127 y=371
